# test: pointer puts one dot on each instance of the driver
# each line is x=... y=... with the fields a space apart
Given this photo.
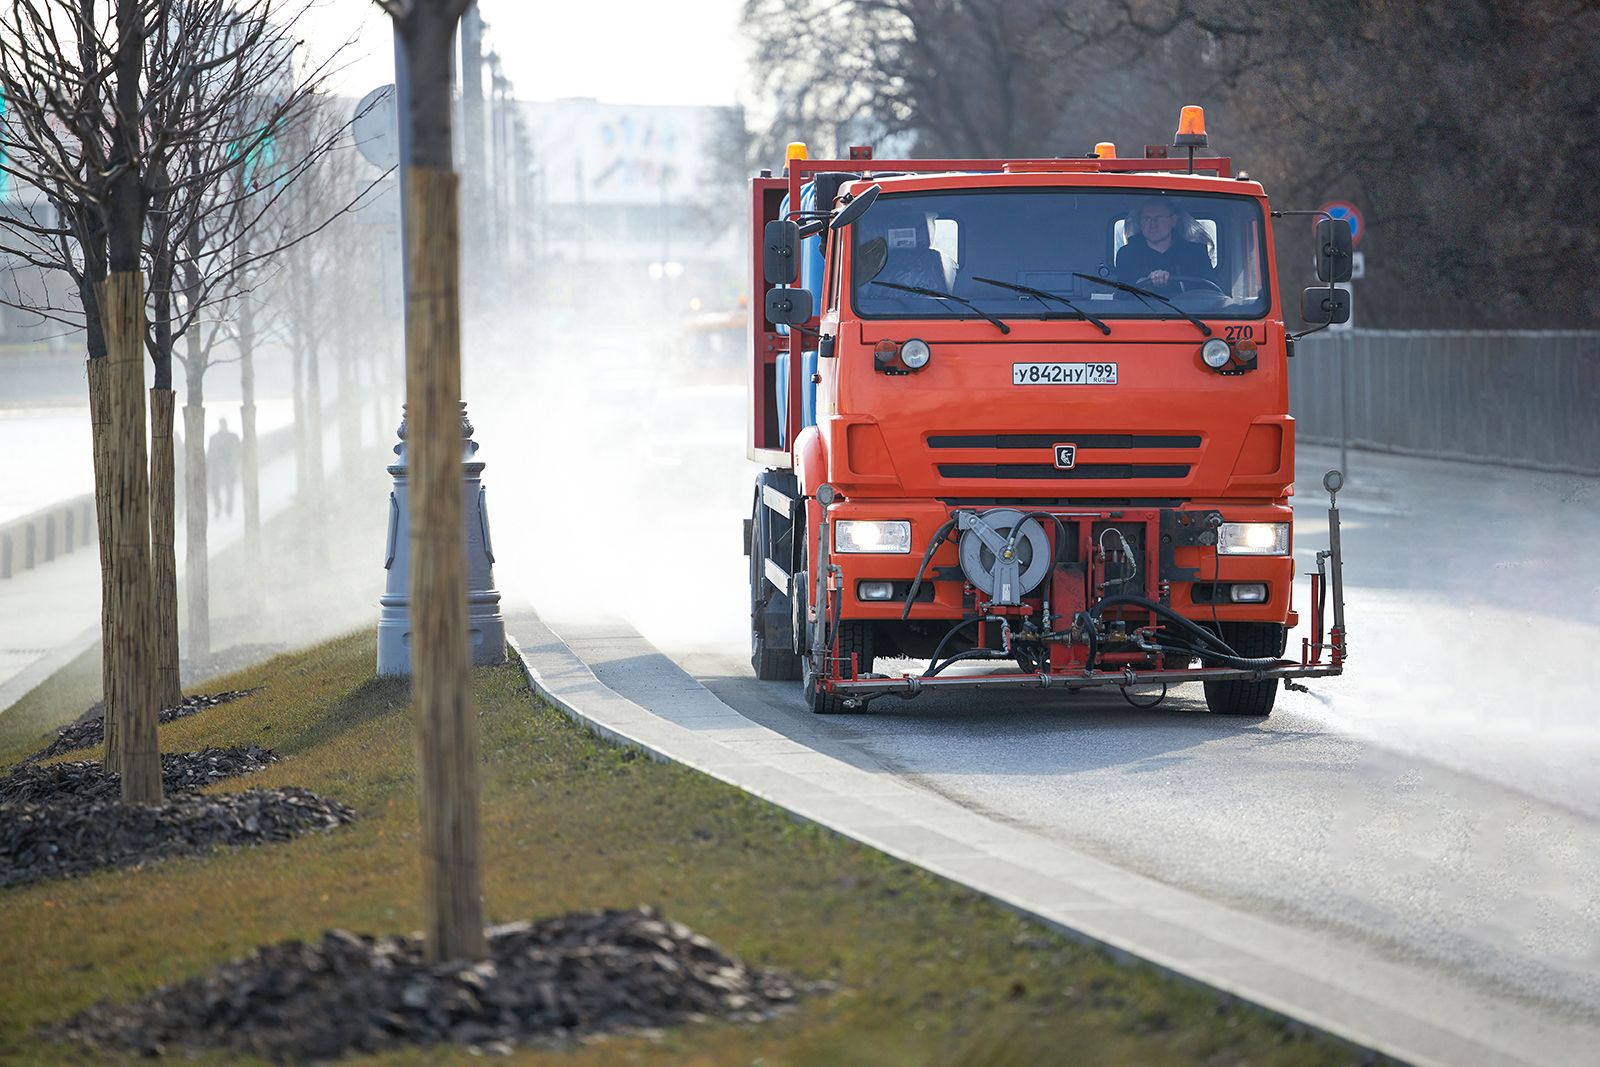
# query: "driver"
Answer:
x=1168 y=247
x=899 y=238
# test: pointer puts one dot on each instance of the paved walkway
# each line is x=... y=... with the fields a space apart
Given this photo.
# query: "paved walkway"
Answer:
x=51 y=614
x=1408 y=1013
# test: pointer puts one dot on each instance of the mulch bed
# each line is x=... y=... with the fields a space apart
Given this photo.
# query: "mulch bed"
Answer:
x=67 y=819
x=39 y=841
x=546 y=983
x=90 y=729
x=181 y=772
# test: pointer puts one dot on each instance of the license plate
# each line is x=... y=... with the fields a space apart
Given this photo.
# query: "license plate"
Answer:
x=1063 y=374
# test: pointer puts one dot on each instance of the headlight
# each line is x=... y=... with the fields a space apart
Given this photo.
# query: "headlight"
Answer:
x=1216 y=353
x=1253 y=539
x=914 y=353
x=872 y=535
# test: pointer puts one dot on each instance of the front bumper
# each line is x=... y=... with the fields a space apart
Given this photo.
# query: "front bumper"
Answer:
x=1174 y=567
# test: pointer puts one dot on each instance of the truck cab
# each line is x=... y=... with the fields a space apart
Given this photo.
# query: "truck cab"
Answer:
x=1032 y=412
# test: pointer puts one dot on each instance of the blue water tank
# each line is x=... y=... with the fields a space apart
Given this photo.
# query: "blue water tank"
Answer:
x=811 y=271
x=808 y=392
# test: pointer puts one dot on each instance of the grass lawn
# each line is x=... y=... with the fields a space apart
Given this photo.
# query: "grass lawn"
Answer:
x=927 y=973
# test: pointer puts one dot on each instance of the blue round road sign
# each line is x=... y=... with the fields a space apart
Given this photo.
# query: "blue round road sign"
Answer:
x=1343 y=209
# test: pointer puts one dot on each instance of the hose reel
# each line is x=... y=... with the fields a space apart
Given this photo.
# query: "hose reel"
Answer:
x=1003 y=553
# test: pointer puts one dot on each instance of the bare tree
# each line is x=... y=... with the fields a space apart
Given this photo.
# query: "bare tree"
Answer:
x=230 y=166
x=100 y=104
x=56 y=140
x=447 y=730
x=210 y=59
x=1463 y=130
x=974 y=79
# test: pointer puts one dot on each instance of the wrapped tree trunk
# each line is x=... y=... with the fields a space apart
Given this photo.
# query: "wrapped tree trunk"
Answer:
x=349 y=404
x=250 y=471
x=164 y=548
x=196 y=564
x=100 y=427
x=447 y=731
x=448 y=750
x=131 y=699
x=313 y=409
x=317 y=528
x=297 y=388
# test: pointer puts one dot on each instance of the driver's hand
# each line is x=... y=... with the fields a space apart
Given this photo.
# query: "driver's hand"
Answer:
x=1160 y=277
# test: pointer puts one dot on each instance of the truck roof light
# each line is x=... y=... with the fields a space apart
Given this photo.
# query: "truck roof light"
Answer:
x=1191 y=127
x=796 y=150
x=1105 y=150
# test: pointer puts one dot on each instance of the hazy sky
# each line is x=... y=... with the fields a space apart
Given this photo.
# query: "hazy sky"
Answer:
x=624 y=51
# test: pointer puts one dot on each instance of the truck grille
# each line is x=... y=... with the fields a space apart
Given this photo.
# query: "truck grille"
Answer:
x=1082 y=440
x=1089 y=468
x=1083 y=471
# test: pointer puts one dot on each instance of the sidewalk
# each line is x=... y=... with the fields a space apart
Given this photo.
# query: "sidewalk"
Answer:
x=50 y=615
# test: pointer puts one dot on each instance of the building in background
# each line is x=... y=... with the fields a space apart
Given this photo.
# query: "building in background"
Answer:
x=639 y=203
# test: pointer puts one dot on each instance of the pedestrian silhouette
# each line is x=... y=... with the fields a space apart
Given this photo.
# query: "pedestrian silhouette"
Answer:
x=222 y=463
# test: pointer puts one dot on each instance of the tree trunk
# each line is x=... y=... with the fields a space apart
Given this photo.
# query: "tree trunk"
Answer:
x=448 y=742
x=298 y=388
x=164 y=548
x=317 y=531
x=196 y=561
x=250 y=470
x=131 y=701
x=314 y=460
x=349 y=405
x=100 y=430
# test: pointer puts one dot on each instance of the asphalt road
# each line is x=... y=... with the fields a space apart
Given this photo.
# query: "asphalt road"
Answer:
x=1438 y=803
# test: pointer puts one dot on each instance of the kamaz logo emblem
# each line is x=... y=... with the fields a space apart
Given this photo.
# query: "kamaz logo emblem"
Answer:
x=1066 y=456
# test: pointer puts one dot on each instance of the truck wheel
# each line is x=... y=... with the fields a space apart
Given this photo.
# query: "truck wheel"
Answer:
x=771 y=648
x=1255 y=699
x=853 y=637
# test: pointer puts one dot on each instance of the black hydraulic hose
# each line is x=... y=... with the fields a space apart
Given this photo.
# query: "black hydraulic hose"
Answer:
x=938 y=649
x=1218 y=648
x=1199 y=632
x=1322 y=603
x=933 y=546
x=971 y=653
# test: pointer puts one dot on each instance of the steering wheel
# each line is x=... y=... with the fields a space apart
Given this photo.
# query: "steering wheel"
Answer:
x=1199 y=281
x=1186 y=278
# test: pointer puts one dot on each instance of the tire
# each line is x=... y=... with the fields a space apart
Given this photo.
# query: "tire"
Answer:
x=772 y=654
x=853 y=637
x=1253 y=699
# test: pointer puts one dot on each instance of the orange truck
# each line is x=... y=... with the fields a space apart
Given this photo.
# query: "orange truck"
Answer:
x=1027 y=421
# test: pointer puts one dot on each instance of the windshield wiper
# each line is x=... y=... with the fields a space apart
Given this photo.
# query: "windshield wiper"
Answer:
x=937 y=295
x=1142 y=293
x=1042 y=295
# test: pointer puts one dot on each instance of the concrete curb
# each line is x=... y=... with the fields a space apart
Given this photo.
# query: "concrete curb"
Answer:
x=1313 y=979
x=37 y=672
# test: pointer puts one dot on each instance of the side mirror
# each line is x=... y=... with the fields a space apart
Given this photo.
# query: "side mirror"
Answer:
x=856 y=207
x=1321 y=305
x=1334 y=247
x=780 y=247
x=788 y=307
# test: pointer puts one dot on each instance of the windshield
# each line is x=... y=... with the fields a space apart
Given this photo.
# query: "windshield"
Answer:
x=1007 y=253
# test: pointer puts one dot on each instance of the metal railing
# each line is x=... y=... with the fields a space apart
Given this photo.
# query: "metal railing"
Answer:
x=38 y=538
x=1521 y=398
x=50 y=533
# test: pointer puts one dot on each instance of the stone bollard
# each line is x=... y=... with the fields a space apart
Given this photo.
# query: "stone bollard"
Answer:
x=486 y=627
